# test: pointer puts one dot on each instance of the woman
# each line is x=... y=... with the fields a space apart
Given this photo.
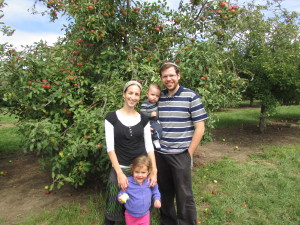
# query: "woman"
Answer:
x=128 y=136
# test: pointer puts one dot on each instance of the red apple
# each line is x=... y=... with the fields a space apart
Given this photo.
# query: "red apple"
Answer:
x=229 y=210
x=223 y=4
x=90 y=7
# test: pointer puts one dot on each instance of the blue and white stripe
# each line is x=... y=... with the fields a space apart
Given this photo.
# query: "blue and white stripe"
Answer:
x=177 y=116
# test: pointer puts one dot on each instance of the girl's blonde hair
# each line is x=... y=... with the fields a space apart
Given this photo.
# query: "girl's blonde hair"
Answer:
x=141 y=161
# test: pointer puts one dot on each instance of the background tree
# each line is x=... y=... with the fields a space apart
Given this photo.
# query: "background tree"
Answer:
x=266 y=50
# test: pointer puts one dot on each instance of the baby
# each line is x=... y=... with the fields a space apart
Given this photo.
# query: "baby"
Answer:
x=149 y=109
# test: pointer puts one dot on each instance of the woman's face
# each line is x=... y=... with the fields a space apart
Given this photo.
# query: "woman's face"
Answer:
x=132 y=95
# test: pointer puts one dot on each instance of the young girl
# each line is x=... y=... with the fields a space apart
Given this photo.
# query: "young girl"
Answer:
x=140 y=193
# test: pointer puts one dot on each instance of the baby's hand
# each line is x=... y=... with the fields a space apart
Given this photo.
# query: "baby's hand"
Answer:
x=153 y=114
x=122 y=198
x=157 y=204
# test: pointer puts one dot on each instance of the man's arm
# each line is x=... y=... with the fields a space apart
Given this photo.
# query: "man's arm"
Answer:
x=197 y=137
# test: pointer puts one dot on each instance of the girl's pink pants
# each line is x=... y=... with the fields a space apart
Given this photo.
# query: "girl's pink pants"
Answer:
x=130 y=220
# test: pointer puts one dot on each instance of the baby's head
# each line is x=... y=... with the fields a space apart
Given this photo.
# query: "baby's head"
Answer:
x=153 y=93
x=140 y=168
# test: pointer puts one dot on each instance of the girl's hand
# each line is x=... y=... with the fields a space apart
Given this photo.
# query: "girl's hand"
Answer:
x=122 y=181
x=152 y=178
x=157 y=204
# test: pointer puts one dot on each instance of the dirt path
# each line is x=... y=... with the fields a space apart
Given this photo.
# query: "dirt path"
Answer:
x=22 y=188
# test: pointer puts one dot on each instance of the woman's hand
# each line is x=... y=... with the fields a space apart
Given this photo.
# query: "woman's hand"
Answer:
x=152 y=178
x=122 y=181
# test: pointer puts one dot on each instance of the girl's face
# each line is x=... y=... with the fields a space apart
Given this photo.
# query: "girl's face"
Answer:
x=132 y=95
x=140 y=173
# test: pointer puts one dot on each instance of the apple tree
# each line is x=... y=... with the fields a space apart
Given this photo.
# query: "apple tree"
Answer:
x=62 y=93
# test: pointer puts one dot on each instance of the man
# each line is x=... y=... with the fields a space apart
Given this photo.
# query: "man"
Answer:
x=182 y=116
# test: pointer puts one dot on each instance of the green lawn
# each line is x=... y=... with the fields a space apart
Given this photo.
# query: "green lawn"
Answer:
x=10 y=138
x=259 y=191
x=241 y=116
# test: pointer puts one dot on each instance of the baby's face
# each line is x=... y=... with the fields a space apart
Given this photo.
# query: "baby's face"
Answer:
x=153 y=94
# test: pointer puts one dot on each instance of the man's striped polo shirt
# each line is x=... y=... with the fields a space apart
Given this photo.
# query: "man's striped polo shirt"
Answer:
x=177 y=116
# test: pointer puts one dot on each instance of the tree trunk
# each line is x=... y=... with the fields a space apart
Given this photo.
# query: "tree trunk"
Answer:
x=263 y=119
x=251 y=101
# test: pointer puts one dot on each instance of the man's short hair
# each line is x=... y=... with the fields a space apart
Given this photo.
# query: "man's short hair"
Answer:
x=168 y=65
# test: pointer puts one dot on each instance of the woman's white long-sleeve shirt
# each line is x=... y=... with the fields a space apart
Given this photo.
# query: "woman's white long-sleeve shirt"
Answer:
x=128 y=121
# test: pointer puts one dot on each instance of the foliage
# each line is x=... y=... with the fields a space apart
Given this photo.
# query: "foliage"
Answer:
x=5 y=30
x=268 y=56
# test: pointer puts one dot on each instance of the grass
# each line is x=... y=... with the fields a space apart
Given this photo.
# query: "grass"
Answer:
x=5 y=118
x=237 y=117
x=242 y=116
x=91 y=213
x=287 y=113
x=75 y=214
x=10 y=137
x=260 y=191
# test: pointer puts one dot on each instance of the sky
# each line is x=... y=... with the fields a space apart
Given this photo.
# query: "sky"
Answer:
x=33 y=28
